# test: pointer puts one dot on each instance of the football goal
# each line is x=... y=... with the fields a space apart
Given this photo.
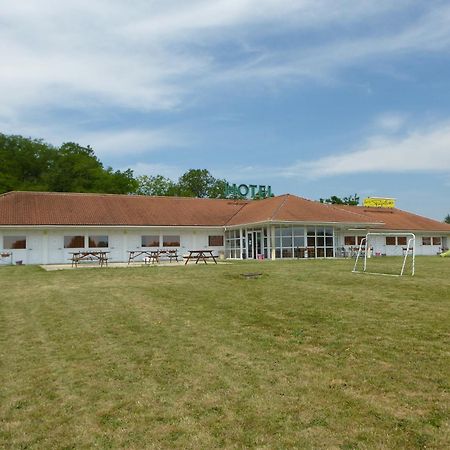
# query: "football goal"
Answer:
x=369 y=260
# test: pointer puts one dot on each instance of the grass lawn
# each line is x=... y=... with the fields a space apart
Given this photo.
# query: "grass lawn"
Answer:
x=307 y=356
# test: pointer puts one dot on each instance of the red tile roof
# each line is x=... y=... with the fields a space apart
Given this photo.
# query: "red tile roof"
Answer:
x=290 y=208
x=52 y=208
x=397 y=219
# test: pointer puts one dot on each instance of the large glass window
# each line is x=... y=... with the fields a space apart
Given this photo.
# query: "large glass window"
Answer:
x=426 y=240
x=73 y=241
x=232 y=244
x=215 y=241
x=14 y=242
x=296 y=241
x=171 y=241
x=437 y=240
x=150 y=241
x=98 y=241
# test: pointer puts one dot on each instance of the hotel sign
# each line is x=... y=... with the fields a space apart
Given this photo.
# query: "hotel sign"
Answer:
x=248 y=190
x=378 y=202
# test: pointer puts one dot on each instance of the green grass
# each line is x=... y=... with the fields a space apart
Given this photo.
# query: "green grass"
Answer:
x=307 y=356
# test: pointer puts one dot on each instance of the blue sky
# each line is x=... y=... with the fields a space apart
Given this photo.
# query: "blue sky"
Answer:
x=316 y=98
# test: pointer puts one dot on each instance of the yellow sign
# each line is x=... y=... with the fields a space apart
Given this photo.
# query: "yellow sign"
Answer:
x=377 y=202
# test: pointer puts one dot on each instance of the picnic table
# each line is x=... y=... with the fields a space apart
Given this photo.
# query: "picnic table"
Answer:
x=171 y=254
x=198 y=255
x=149 y=255
x=6 y=257
x=90 y=255
x=152 y=255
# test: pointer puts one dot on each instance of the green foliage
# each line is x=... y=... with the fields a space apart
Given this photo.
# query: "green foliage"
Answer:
x=193 y=183
x=334 y=200
x=33 y=165
x=200 y=183
x=155 y=185
x=24 y=163
x=447 y=219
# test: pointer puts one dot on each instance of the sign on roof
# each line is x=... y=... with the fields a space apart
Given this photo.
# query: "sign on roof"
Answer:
x=379 y=202
x=248 y=190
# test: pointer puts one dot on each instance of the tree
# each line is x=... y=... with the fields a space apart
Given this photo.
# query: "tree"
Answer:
x=33 y=165
x=447 y=219
x=24 y=163
x=155 y=185
x=200 y=183
x=334 y=200
x=77 y=169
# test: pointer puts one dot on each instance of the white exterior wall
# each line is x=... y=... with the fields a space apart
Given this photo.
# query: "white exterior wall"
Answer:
x=379 y=243
x=46 y=245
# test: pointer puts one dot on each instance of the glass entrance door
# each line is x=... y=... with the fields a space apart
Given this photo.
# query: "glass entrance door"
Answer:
x=254 y=244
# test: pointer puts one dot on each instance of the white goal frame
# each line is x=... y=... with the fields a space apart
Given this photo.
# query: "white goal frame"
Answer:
x=410 y=249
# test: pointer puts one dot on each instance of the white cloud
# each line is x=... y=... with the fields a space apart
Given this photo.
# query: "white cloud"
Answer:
x=390 y=122
x=169 y=171
x=97 y=58
x=130 y=142
x=110 y=143
x=420 y=150
x=148 y=55
x=429 y=33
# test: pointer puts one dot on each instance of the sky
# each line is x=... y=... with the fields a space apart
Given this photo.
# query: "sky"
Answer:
x=313 y=97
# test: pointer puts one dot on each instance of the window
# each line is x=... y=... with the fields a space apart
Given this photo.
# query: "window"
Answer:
x=353 y=240
x=428 y=240
x=290 y=241
x=396 y=240
x=150 y=241
x=14 y=242
x=390 y=240
x=233 y=244
x=171 y=241
x=73 y=241
x=215 y=241
x=98 y=241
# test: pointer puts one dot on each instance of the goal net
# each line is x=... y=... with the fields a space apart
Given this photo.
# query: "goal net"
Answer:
x=391 y=254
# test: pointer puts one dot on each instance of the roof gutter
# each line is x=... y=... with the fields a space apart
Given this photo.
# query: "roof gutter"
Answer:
x=109 y=226
x=290 y=222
